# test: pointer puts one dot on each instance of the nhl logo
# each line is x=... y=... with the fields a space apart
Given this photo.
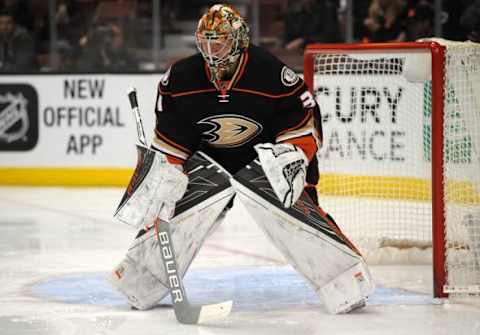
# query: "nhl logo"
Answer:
x=18 y=117
x=289 y=77
x=14 y=111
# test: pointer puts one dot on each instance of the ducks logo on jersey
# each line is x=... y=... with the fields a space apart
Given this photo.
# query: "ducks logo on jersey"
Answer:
x=230 y=130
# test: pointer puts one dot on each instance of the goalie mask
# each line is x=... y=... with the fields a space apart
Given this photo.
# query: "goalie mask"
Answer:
x=221 y=36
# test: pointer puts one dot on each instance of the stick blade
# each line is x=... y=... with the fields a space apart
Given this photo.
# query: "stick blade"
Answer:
x=215 y=311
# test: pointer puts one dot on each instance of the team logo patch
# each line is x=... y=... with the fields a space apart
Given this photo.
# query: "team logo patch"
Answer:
x=229 y=130
x=18 y=117
x=289 y=77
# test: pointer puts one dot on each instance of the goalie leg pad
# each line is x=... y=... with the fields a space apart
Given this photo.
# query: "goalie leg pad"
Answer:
x=348 y=291
x=306 y=239
x=196 y=217
x=142 y=289
x=143 y=268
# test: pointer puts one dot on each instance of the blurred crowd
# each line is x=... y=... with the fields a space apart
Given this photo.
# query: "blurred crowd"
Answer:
x=116 y=35
x=322 y=21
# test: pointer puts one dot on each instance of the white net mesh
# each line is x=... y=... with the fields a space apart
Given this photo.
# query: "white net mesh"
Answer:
x=375 y=163
x=462 y=166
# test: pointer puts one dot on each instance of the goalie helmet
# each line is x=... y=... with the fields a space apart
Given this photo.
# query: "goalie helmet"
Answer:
x=221 y=36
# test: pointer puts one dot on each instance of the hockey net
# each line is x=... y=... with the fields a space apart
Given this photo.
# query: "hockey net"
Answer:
x=400 y=162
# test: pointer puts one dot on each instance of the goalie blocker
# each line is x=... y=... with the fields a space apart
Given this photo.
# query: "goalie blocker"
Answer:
x=309 y=240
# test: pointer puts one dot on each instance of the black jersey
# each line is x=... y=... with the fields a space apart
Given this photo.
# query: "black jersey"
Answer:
x=265 y=102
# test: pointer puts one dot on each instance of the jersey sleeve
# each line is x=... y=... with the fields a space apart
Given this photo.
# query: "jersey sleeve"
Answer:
x=174 y=135
x=299 y=120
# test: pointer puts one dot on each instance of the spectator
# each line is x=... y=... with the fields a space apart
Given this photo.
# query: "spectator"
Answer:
x=360 y=13
x=470 y=21
x=63 y=19
x=420 y=23
x=74 y=19
x=104 y=49
x=17 y=49
x=385 y=21
x=310 y=21
x=21 y=11
x=452 y=11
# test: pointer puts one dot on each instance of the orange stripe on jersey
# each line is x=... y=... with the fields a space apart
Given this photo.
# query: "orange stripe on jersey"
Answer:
x=162 y=92
x=306 y=143
x=172 y=143
x=174 y=160
x=274 y=96
x=299 y=125
x=165 y=148
x=193 y=92
x=160 y=146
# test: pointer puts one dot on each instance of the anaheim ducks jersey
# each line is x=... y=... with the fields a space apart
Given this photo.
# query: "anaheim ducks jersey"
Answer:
x=264 y=102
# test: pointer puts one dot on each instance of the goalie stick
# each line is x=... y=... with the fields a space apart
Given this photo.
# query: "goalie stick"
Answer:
x=184 y=311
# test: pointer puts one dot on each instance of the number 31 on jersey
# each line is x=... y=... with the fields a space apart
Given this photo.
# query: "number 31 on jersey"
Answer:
x=308 y=100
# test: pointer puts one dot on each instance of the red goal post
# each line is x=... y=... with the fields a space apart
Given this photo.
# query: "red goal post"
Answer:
x=359 y=87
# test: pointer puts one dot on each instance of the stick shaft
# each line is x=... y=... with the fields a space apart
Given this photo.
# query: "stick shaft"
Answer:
x=132 y=97
x=184 y=311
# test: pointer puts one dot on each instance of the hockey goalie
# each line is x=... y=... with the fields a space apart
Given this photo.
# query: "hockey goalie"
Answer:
x=233 y=119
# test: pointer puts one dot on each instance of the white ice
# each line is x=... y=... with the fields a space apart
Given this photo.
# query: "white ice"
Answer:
x=57 y=245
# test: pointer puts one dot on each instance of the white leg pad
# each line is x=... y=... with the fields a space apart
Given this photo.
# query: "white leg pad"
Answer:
x=141 y=276
x=348 y=291
x=136 y=282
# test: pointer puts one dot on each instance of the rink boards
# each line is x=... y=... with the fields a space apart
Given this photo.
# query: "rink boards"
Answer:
x=59 y=129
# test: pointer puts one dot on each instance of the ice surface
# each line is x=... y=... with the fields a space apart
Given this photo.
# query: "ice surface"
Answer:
x=56 y=245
